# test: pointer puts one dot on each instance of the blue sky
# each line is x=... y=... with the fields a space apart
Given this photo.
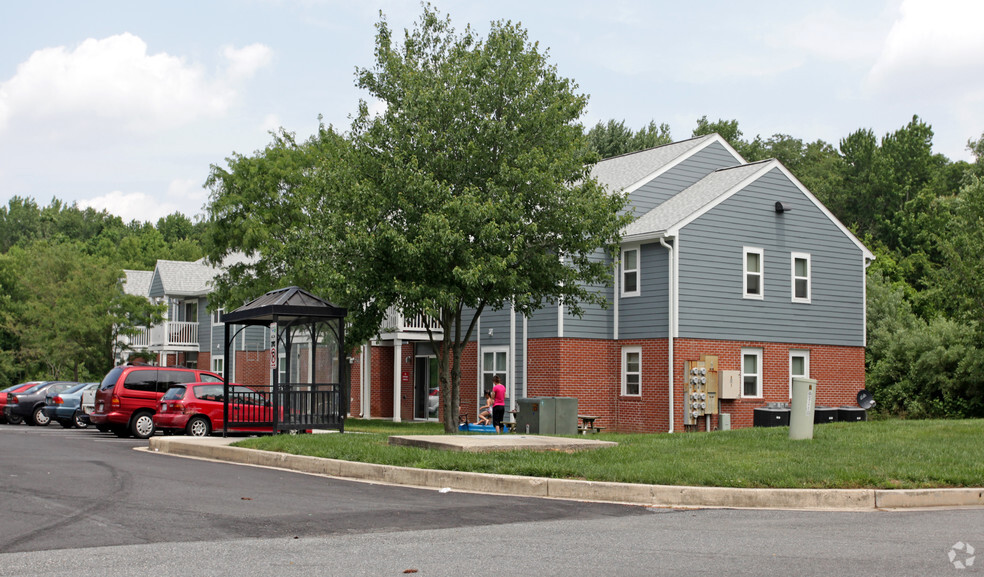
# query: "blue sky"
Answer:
x=124 y=105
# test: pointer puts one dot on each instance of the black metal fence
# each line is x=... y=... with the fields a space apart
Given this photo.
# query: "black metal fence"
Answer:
x=293 y=407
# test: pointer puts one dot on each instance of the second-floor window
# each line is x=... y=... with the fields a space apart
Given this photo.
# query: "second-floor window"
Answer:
x=630 y=272
x=800 y=263
x=754 y=278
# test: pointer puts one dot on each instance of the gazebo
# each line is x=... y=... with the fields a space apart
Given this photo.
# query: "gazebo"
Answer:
x=309 y=388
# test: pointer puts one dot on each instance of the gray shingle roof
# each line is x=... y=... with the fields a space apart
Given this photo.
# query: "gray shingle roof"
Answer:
x=180 y=278
x=621 y=172
x=137 y=282
x=693 y=199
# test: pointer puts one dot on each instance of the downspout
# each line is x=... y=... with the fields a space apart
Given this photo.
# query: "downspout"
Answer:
x=670 y=325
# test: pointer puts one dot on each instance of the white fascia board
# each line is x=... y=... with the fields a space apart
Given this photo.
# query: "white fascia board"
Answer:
x=714 y=138
x=638 y=239
x=864 y=250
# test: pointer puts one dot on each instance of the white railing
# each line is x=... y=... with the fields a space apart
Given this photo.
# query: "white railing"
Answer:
x=174 y=334
x=396 y=322
x=138 y=340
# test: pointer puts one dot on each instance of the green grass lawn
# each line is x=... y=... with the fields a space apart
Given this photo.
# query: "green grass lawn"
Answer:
x=889 y=454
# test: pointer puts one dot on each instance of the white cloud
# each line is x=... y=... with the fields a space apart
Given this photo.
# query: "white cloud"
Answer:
x=244 y=62
x=271 y=123
x=115 y=83
x=932 y=42
x=184 y=196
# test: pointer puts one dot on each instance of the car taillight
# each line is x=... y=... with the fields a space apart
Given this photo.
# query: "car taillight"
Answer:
x=115 y=402
x=11 y=399
x=58 y=400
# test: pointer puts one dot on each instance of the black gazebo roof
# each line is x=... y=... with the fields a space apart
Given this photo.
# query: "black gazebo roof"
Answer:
x=291 y=304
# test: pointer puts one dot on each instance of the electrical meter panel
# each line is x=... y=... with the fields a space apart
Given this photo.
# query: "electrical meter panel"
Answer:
x=700 y=390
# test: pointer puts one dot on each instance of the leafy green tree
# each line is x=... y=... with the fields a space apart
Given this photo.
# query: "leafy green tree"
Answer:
x=613 y=138
x=455 y=199
x=477 y=164
x=961 y=243
x=66 y=310
x=728 y=129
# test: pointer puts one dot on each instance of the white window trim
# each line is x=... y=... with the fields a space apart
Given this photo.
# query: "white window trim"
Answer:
x=761 y=273
x=483 y=370
x=806 y=366
x=626 y=351
x=636 y=270
x=759 y=365
x=793 y=277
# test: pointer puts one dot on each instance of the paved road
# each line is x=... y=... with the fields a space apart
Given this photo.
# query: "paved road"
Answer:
x=83 y=503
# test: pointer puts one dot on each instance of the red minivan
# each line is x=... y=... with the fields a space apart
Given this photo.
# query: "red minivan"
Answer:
x=129 y=396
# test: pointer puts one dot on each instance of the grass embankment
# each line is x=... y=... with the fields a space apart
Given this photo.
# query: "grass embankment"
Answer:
x=880 y=454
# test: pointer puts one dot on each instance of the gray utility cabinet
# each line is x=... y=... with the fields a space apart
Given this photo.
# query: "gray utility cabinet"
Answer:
x=547 y=416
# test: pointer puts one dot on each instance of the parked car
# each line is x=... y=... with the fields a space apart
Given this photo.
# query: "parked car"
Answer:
x=197 y=409
x=13 y=419
x=66 y=407
x=29 y=404
x=129 y=395
x=87 y=404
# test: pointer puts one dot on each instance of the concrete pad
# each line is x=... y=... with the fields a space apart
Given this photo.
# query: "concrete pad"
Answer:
x=488 y=443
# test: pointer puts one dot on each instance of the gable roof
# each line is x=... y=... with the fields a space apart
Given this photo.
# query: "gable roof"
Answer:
x=668 y=218
x=628 y=172
x=181 y=278
x=137 y=282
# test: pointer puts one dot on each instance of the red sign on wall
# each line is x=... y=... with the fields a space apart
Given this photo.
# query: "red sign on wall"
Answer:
x=405 y=377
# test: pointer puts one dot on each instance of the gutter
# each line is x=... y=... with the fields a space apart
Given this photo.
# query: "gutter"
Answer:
x=670 y=326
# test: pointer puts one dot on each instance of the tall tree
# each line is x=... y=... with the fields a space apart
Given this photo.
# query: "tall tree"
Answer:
x=456 y=199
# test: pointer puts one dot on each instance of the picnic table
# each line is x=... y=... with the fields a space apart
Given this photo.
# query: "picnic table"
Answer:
x=588 y=424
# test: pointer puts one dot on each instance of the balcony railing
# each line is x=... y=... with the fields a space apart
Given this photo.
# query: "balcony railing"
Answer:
x=396 y=323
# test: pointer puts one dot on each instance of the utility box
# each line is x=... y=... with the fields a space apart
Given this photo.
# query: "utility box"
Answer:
x=729 y=384
x=802 y=408
x=547 y=416
x=851 y=414
x=770 y=417
x=825 y=415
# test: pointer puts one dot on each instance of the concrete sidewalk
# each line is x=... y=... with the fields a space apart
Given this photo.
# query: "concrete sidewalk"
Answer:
x=217 y=448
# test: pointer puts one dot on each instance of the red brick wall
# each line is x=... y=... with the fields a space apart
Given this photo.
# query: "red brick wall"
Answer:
x=252 y=368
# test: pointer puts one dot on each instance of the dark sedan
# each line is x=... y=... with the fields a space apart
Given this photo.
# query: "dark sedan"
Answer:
x=29 y=404
x=3 y=401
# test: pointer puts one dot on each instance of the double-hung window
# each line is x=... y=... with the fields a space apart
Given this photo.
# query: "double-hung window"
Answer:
x=632 y=371
x=630 y=272
x=751 y=373
x=754 y=277
x=800 y=265
x=799 y=366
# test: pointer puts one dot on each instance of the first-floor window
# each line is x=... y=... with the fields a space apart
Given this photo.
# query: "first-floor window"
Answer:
x=632 y=371
x=799 y=366
x=218 y=365
x=751 y=372
x=494 y=363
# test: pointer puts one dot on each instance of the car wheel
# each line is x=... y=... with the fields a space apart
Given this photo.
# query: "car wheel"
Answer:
x=102 y=428
x=78 y=421
x=39 y=418
x=15 y=419
x=66 y=424
x=142 y=426
x=121 y=432
x=198 y=426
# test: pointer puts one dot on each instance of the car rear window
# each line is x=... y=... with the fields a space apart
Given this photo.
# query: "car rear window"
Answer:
x=59 y=387
x=174 y=393
x=110 y=379
x=167 y=378
x=209 y=392
x=209 y=378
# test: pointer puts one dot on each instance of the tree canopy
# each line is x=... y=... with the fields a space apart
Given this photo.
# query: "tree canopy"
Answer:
x=455 y=199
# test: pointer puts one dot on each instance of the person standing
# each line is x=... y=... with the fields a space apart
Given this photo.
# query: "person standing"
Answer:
x=498 y=403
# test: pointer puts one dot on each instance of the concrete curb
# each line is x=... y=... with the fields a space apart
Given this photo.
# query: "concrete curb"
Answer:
x=636 y=494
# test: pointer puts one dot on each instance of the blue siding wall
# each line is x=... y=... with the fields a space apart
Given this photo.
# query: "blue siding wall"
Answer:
x=681 y=176
x=711 y=270
x=645 y=316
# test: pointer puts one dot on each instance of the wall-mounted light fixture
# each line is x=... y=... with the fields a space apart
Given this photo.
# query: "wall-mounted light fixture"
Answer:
x=490 y=332
x=781 y=209
x=408 y=359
